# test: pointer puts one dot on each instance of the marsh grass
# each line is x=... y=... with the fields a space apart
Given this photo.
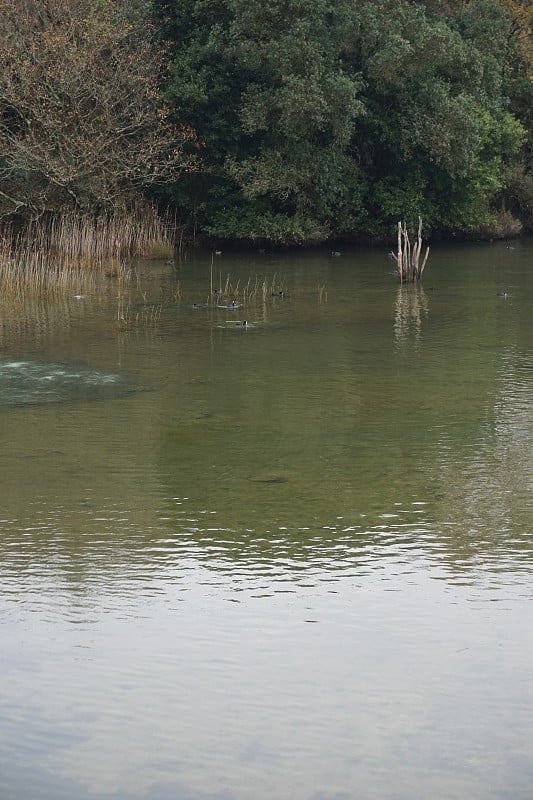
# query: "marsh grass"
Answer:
x=71 y=251
x=261 y=290
x=254 y=290
x=128 y=318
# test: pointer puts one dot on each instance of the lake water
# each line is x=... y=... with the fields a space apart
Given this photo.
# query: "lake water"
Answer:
x=286 y=560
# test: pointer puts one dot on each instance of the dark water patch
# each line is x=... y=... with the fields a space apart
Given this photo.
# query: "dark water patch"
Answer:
x=268 y=479
x=30 y=383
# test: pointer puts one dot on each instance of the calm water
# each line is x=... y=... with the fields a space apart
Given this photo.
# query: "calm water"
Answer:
x=291 y=560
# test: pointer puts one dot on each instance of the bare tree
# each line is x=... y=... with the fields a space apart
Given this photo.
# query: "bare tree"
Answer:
x=81 y=117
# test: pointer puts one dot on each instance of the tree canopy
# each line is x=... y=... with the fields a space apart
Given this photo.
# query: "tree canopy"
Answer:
x=278 y=120
x=324 y=118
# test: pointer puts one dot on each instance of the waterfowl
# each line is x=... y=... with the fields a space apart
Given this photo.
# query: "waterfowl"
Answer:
x=335 y=253
x=277 y=294
x=502 y=294
x=199 y=305
x=241 y=323
x=233 y=304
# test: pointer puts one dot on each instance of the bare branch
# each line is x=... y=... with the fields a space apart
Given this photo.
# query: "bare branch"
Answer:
x=81 y=117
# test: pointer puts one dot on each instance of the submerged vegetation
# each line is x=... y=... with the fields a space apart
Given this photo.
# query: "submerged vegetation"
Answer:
x=280 y=123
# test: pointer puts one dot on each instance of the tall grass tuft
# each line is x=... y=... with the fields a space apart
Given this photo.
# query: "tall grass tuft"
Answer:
x=64 y=251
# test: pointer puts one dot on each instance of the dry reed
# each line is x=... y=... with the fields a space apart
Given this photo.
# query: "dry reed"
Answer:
x=255 y=290
x=65 y=252
x=128 y=318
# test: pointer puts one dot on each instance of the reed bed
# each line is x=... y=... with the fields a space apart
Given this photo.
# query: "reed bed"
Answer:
x=71 y=250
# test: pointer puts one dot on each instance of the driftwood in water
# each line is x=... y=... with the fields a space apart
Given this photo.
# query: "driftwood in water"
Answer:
x=407 y=259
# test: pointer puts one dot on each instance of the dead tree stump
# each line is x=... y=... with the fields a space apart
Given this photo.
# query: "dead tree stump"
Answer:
x=408 y=266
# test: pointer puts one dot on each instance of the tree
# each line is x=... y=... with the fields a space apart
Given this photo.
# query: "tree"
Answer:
x=81 y=118
x=438 y=136
x=265 y=86
x=322 y=118
x=518 y=193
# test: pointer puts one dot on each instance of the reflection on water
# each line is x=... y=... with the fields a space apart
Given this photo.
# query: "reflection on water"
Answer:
x=412 y=306
x=300 y=566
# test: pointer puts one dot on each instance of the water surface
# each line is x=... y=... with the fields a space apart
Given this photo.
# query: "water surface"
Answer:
x=287 y=559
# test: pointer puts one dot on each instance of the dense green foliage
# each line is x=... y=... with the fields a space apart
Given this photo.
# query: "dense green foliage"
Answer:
x=329 y=117
x=292 y=120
